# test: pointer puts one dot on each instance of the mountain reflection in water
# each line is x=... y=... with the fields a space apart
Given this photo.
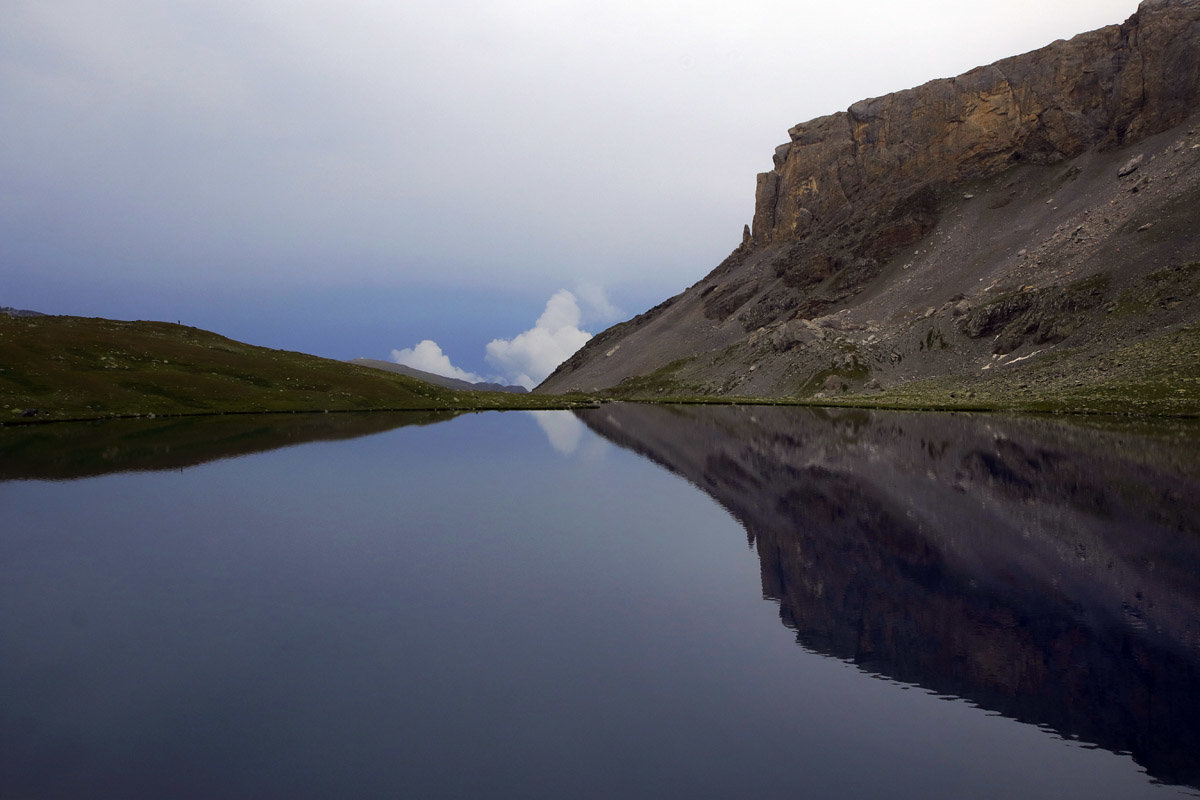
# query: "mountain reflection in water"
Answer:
x=1044 y=570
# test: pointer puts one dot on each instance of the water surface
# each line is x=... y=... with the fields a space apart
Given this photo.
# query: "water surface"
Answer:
x=519 y=605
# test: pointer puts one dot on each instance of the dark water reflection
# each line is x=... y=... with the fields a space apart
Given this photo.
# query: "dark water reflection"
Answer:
x=1047 y=571
x=68 y=450
x=505 y=605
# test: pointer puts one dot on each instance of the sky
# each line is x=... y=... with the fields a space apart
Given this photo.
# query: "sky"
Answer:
x=475 y=184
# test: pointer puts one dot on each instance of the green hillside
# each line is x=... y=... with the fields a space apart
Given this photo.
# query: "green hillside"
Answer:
x=56 y=368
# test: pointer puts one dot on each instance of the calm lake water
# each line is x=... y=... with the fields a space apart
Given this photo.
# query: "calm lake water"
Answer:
x=637 y=602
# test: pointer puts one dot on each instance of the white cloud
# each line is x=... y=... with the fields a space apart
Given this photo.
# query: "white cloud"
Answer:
x=562 y=311
x=596 y=303
x=428 y=356
x=529 y=357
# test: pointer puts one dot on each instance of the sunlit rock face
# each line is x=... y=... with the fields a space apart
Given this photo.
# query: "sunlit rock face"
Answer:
x=1045 y=571
x=1100 y=89
x=906 y=212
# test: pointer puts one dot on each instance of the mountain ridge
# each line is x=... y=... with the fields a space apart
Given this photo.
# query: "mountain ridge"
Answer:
x=435 y=379
x=899 y=240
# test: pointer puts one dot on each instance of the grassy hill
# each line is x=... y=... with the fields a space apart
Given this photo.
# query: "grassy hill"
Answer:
x=58 y=368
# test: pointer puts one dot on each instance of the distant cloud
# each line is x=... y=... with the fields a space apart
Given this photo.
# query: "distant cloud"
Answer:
x=531 y=356
x=528 y=357
x=428 y=356
x=596 y=303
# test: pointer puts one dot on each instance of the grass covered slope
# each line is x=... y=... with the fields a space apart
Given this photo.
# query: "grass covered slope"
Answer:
x=56 y=368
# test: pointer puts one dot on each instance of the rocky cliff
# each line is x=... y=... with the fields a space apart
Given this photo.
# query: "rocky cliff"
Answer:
x=964 y=225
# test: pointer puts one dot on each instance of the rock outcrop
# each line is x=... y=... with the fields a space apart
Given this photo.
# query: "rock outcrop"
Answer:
x=20 y=312
x=907 y=213
x=1101 y=89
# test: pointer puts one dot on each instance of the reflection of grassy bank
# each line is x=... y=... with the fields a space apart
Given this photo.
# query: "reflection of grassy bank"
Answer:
x=59 y=368
x=81 y=449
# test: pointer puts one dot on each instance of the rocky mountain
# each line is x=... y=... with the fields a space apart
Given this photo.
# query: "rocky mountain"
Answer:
x=1038 y=217
x=435 y=379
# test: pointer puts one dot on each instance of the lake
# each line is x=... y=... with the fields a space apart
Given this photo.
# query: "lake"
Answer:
x=630 y=601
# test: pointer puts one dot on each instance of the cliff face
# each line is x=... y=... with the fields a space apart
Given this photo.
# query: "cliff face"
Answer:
x=1101 y=89
x=955 y=192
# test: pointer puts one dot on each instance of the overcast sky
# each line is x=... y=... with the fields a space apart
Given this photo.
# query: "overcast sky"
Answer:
x=352 y=178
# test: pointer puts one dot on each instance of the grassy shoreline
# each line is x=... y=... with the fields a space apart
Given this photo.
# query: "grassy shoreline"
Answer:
x=60 y=369
x=1158 y=376
x=80 y=368
x=888 y=402
x=940 y=399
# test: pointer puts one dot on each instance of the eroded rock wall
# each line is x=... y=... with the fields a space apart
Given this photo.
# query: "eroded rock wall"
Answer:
x=1100 y=89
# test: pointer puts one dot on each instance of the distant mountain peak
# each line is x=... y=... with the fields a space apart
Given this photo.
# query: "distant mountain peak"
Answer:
x=437 y=380
x=19 y=312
